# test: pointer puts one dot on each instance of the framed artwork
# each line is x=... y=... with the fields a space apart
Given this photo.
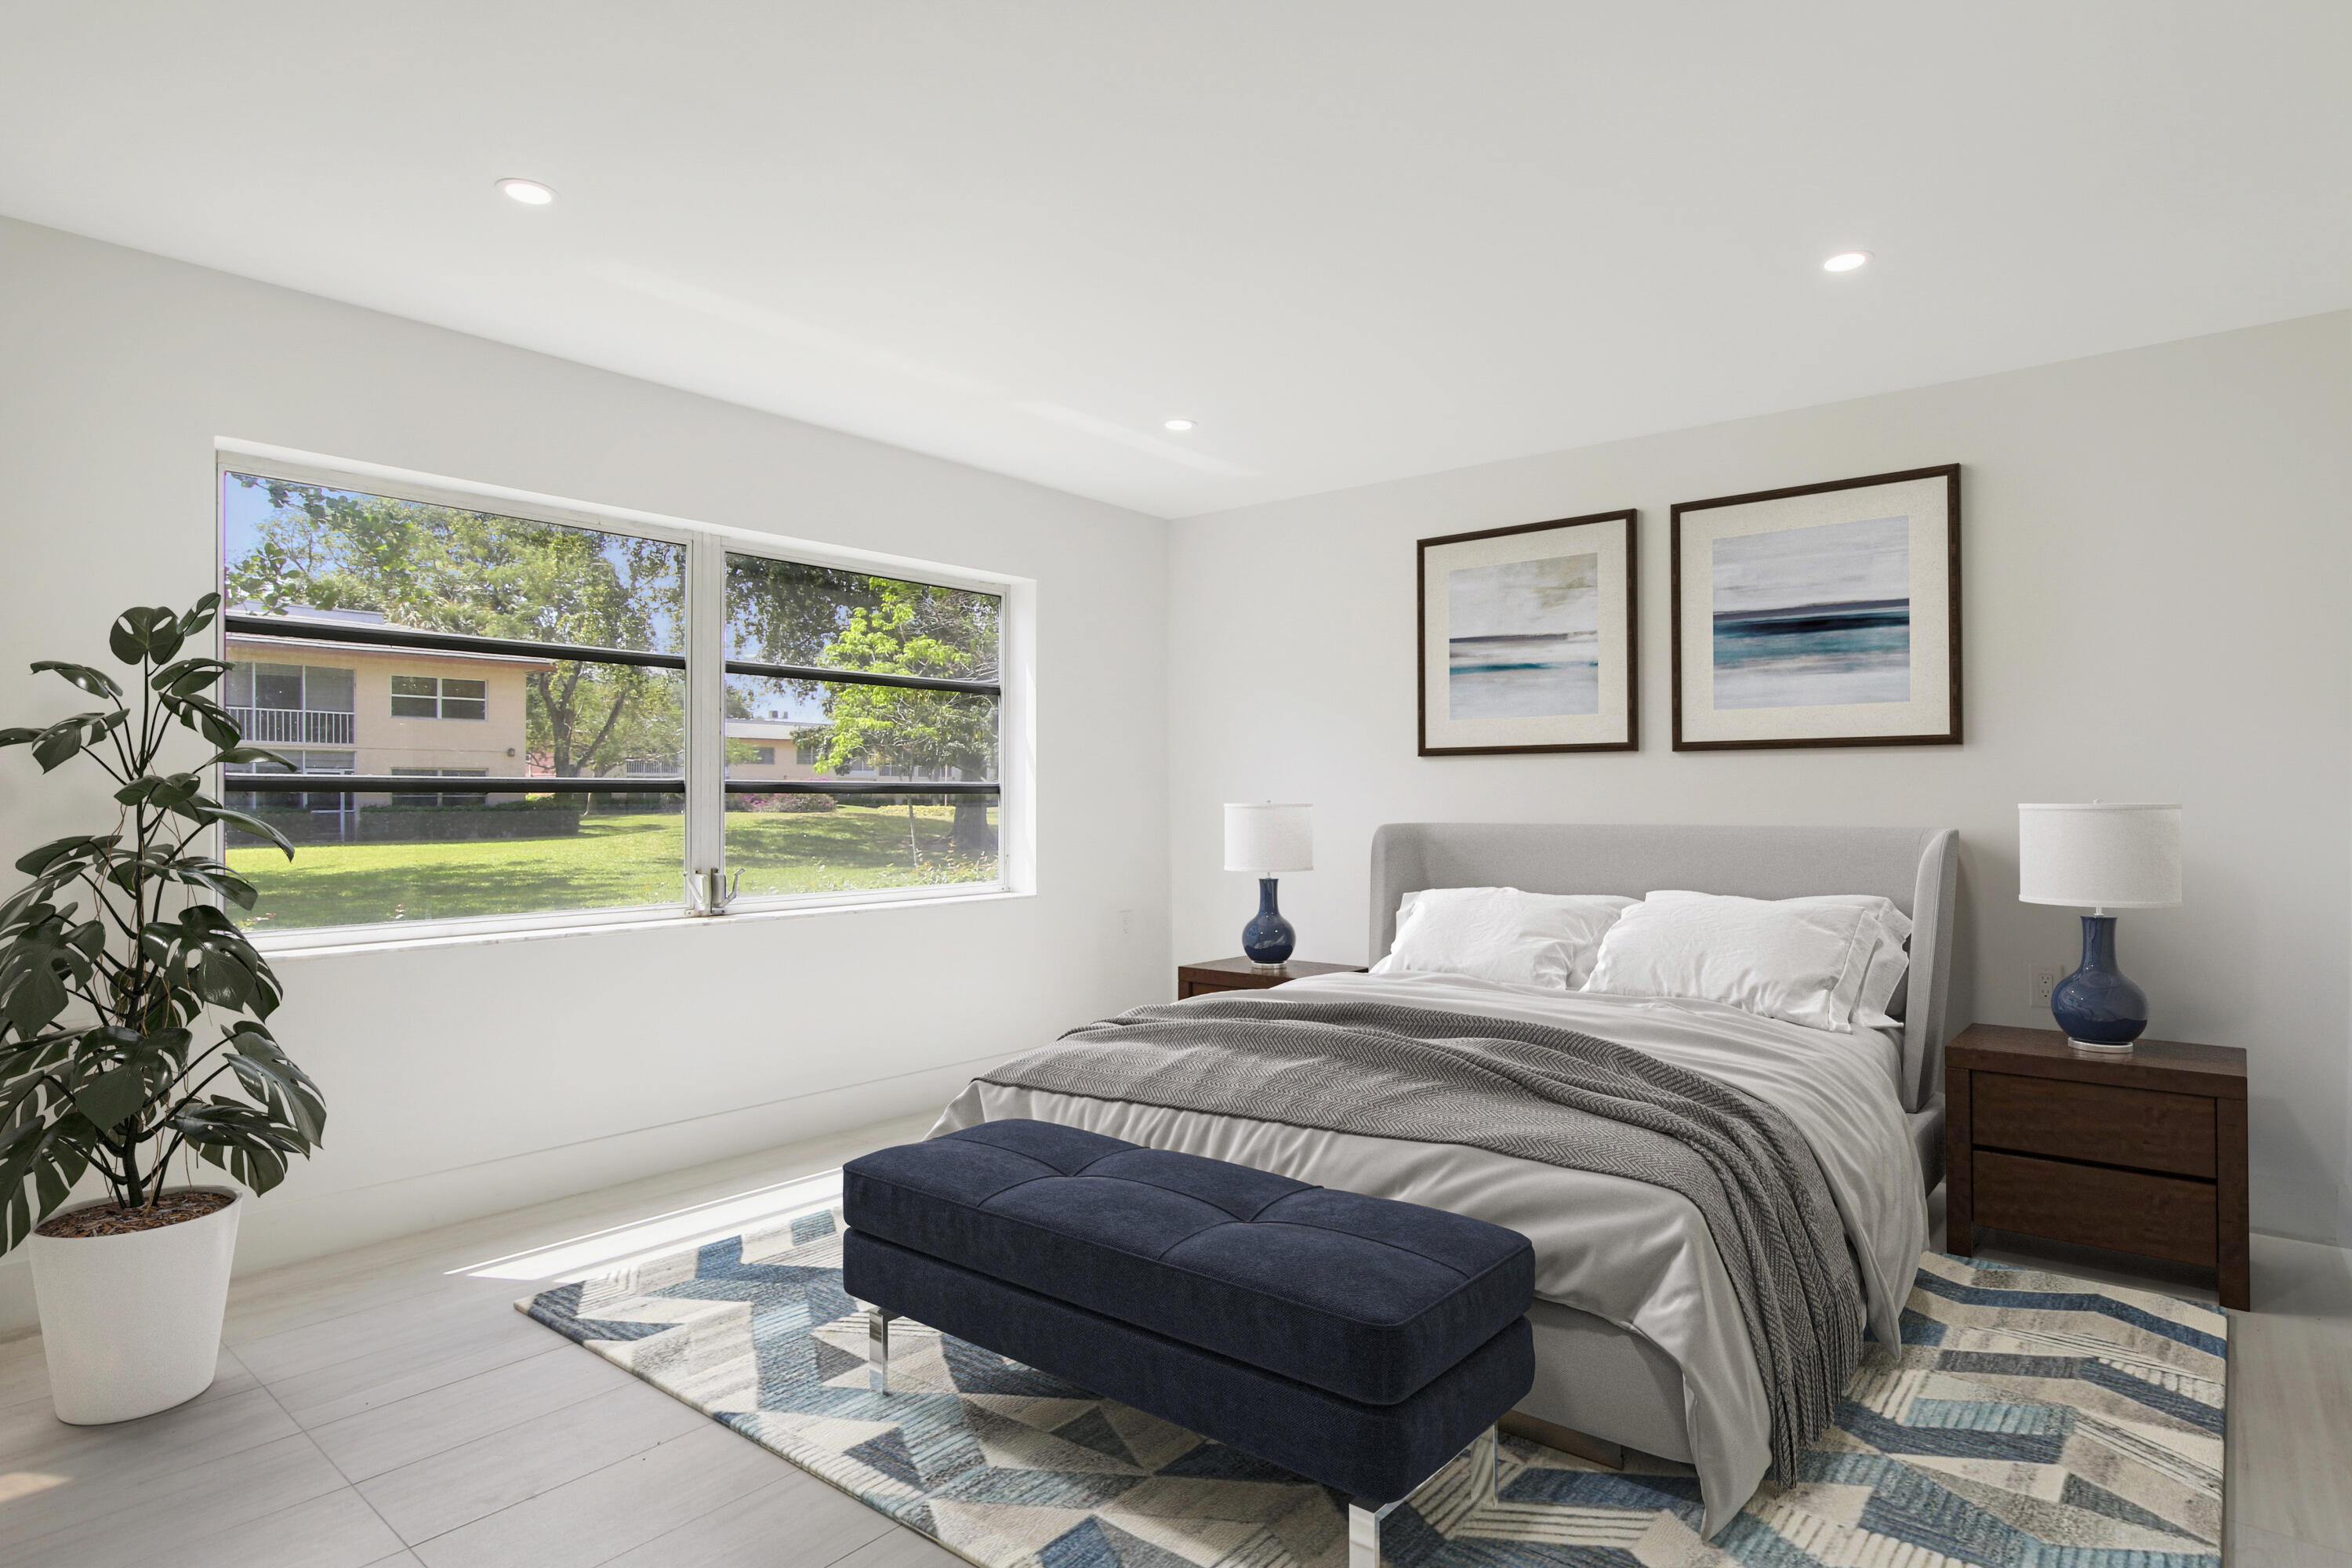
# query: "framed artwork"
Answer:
x=1820 y=615
x=1528 y=638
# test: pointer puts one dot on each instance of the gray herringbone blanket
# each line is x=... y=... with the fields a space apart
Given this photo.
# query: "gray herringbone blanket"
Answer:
x=1548 y=1095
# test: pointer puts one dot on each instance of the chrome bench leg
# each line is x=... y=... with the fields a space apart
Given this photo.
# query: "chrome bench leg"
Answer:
x=1364 y=1520
x=878 y=1348
x=1364 y=1533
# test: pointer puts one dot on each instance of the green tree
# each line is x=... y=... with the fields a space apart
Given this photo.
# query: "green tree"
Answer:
x=784 y=612
x=445 y=569
x=915 y=629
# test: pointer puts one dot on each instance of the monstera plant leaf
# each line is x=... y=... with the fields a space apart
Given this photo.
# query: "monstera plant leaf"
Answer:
x=131 y=1008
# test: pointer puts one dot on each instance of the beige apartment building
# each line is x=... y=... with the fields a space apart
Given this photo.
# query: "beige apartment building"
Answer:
x=776 y=749
x=344 y=709
x=340 y=708
x=333 y=706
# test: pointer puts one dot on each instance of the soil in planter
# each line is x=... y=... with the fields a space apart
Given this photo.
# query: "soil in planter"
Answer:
x=112 y=1219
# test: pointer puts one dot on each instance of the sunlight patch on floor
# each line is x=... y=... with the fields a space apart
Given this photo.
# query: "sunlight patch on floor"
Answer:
x=619 y=1246
x=15 y=1484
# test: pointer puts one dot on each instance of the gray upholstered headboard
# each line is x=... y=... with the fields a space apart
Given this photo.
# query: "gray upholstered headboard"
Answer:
x=1919 y=867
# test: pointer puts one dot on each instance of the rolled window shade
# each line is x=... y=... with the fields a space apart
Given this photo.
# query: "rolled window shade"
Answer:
x=2099 y=856
x=1269 y=837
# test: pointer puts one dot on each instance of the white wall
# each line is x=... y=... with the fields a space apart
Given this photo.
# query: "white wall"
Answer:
x=2157 y=588
x=465 y=1080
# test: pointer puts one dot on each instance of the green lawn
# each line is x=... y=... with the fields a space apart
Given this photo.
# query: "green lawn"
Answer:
x=613 y=860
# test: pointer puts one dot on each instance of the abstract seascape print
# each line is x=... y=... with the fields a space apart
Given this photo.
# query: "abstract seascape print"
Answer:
x=1523 y=638
x=1813 y=617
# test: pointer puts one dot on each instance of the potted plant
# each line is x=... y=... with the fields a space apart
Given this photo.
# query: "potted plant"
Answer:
x=133 y=1029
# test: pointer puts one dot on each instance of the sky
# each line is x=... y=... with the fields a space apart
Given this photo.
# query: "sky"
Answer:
x=1828 y=563
x=1560 y=594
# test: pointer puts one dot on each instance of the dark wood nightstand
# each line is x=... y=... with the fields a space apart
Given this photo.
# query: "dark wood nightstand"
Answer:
x=1241 y=974
x=2142 y=1153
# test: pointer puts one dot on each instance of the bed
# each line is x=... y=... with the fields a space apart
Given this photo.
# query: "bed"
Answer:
x=1639 y=1338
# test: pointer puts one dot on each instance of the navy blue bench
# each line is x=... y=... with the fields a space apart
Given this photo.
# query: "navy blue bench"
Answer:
x=1356 y=1341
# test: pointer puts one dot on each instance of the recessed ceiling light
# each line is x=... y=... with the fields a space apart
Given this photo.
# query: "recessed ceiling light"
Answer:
x=1846 y=261
x=529 y=192
x=1179 y=424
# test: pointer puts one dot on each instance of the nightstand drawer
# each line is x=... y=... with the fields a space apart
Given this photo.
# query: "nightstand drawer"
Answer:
x=2158 y=1216
x=1205 y=988
x=2104 y=1123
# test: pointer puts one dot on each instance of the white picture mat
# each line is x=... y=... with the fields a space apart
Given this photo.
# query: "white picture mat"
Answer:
x=1606 y=539
x=1928 y=503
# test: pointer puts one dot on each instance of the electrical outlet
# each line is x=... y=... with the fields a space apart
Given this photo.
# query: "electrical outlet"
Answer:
x=1126 y=922
x=2044 y=977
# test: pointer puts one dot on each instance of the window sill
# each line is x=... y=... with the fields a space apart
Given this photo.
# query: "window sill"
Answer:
x=335 y=941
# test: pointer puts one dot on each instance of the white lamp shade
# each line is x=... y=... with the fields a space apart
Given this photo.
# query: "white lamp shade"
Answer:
x=2099 y=856
x=1269 y=837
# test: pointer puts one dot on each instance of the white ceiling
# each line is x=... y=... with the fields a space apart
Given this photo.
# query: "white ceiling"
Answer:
x=1354 y=239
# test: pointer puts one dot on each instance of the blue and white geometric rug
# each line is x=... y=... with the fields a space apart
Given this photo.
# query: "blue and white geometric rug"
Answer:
x=2028 y=1421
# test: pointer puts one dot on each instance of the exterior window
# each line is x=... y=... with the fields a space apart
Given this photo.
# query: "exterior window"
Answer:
x=290 y=704
x=428 y=697
x=439 y=612
x=441 y=800
x=889 y=680
x=867 y=708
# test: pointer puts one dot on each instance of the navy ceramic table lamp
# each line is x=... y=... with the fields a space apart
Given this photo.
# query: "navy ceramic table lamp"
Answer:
x=2108 y=857
x=1266 y=838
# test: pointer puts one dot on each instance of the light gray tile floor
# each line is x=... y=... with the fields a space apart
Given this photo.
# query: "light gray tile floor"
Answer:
x=376 y=1407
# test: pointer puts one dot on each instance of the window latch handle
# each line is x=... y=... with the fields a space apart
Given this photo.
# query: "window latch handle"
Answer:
x=709 y=892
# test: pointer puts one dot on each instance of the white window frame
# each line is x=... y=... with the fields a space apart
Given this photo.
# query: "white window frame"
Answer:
x=708 y=546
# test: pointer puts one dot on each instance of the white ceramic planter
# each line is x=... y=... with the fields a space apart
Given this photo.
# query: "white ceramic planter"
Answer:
x=132 y=1324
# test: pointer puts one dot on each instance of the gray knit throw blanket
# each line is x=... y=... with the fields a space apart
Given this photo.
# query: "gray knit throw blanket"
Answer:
x=1548 y=1095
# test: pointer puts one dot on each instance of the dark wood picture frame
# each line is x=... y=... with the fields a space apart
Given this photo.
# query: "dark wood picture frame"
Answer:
x=1951 y=736
x=1630 y=520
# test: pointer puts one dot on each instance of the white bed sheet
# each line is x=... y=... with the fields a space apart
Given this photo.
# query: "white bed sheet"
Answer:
x=1636 y=1255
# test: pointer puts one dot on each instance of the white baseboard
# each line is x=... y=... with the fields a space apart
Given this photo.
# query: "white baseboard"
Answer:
x=280 y=1229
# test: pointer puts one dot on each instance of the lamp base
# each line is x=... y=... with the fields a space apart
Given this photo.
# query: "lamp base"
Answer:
x=1269 y=940
x=2101 y=1048
x=2099 y=1008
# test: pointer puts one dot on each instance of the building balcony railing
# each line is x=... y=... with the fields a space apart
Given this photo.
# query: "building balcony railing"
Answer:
x=292 y=727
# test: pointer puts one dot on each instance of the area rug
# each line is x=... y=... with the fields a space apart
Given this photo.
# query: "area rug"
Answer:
x=2027 y=1421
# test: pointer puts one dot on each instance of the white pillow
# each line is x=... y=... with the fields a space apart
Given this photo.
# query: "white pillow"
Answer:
x=1803 y=961
x=1890 y=962
x=1881 y=982
x=1501 y=933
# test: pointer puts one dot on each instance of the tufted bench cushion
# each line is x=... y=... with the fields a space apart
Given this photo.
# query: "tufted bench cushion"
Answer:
x=1364 y=1297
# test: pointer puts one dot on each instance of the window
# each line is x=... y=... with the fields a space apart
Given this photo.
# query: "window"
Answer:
x=896 y=681
x=437 y=801
x=290 y=704
x=308 y=816
x=427 y=697
x=600 y=692
x=304 y=762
